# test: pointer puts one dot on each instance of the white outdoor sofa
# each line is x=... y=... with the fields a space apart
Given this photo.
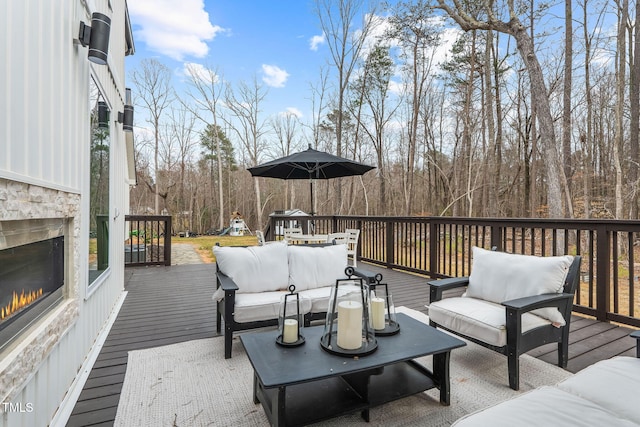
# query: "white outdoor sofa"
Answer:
x=250 y=282
x=604 y=394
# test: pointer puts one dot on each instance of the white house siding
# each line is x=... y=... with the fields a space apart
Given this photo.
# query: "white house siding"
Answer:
x=44 y=150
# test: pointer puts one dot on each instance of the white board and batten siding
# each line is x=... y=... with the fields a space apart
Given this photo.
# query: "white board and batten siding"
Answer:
x=44 y=141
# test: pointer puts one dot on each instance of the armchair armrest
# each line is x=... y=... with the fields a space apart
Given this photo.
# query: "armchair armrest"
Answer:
x=437 y=287
x=526 y=304
x=368 y=276
x=225 y=282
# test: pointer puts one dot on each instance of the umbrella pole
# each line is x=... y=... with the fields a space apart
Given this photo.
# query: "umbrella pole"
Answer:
x=311 y=223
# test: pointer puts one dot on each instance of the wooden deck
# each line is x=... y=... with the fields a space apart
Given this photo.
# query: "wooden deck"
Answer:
x=167 y=305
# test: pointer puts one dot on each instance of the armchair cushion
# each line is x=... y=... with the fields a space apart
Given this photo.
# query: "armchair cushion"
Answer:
x=255 y=268
x=479 y=319
x=316 y=267
x=498 y=277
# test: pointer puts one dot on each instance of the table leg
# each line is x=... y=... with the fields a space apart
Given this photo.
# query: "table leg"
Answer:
x=255 y=388
x=279 y=408
x=441 y=376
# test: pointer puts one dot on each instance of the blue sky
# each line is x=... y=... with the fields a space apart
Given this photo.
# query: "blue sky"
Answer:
x=278 y=42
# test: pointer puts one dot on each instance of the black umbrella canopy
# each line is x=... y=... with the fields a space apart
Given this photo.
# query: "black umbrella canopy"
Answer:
x=310 y=163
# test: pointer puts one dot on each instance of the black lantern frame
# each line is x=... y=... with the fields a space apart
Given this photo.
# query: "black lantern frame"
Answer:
x=391 y=327
x=283 y=317
x=329 y=339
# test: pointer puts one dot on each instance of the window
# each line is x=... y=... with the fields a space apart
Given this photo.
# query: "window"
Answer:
x=99 y=184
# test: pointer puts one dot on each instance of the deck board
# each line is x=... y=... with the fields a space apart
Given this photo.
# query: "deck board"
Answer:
x=168 y=305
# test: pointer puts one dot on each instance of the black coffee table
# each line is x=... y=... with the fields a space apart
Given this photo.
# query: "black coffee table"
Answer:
x=306 y=384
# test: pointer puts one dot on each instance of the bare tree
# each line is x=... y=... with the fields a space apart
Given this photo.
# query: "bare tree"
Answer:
x=285 y=126
x=183 y=133
x=206 y=96
x=634 y=101
x=556 y=179
x=153 y=81
x=248 y=125
x=416 y=33
x=346 y=44
x=623 y=16
x=373 y=89
x=566 y=99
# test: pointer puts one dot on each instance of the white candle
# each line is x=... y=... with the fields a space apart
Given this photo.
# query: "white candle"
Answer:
x=290 y=331
x=350 y=325
x=377 y=313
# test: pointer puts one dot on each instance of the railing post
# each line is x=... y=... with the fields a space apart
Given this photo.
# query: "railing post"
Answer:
x=167 y=241
x=496 y=237
x=603 y=272
x=390 y=243
x=434 y=236
x=334 y=224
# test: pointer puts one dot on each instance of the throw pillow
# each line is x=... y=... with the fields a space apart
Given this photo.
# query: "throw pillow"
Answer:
x=255 y=268
x=315 y=267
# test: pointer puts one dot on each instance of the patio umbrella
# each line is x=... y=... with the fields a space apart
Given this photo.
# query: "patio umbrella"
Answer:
x=310 y=164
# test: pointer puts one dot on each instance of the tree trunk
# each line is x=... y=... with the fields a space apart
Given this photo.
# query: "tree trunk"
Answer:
x=566 y=100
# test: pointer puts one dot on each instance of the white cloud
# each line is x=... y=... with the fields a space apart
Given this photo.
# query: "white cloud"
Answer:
x=291 y=111
x=274 y=76
x=315 y=41
x=200 y=72
x=174 y=29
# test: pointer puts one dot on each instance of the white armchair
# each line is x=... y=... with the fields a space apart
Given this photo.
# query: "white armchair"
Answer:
x=512 y=304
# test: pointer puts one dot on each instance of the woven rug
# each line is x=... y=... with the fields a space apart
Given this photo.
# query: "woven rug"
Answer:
x=192 y=384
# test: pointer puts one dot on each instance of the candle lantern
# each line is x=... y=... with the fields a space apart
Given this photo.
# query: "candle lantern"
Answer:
x=383 y=312
x=347 y=330
x=290 y=320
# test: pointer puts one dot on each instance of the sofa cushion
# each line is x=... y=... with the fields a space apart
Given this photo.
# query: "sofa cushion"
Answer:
x=545 y=406
x=609 y=383
x=255 y=268
x=263 y=306
x=479 y=319
x=314 y=267
x=499 y=276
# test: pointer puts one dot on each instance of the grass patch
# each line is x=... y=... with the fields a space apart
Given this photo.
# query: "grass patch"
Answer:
x=204 y=244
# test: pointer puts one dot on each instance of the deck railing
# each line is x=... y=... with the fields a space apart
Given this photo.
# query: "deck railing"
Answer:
x=149 y=241
x=441 y=247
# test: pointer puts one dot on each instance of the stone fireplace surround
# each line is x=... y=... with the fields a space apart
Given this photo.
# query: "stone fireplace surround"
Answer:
x=20 y=203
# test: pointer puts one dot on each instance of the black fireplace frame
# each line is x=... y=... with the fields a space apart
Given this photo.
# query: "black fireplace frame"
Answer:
x=47 y=269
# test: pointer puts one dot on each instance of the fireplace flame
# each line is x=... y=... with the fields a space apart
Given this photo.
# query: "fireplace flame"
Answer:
x=18 y=302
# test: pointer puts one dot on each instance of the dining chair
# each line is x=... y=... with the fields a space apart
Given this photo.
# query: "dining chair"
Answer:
x=290 y=233
x=338 y=238
x=352 y=243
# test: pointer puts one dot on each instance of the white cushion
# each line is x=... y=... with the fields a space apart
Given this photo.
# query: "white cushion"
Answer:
x=611 y=383
x=255 y=268
x=479 y=319
x=262 y=306
x=499 y=276
x=314 y=267
x=546 y=406
x=320 y=296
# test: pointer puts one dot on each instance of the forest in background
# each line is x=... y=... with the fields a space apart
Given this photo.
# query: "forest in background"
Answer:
x=523 y=119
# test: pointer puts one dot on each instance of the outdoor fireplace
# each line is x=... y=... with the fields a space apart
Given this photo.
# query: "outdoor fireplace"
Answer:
x=31 y=273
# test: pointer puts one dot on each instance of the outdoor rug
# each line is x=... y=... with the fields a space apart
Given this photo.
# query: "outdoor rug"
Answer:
x=192 y=384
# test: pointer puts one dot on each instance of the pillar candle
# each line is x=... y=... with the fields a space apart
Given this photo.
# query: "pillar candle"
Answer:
x=290 y=331
x=350 y=325
x=377 y=313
